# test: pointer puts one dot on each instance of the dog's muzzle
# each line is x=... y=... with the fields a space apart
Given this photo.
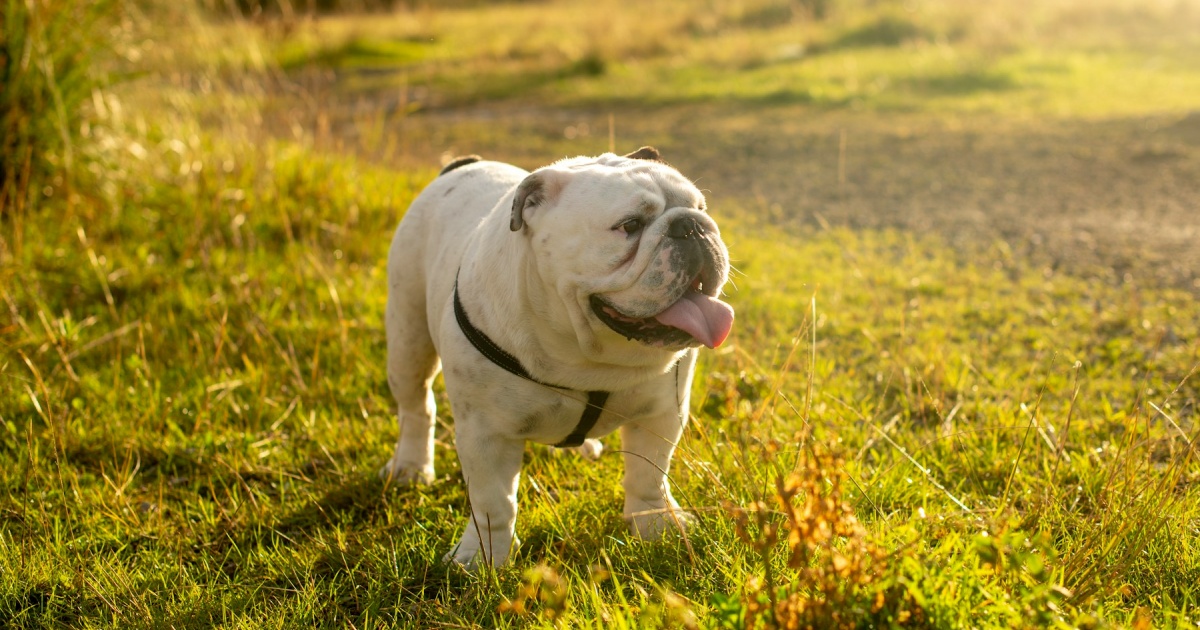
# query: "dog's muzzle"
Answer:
x=694 y=316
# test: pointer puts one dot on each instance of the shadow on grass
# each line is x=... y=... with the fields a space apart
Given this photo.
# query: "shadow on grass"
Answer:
x=963 y=83
x=885 y=31
x=46 y=604
x=355 y=505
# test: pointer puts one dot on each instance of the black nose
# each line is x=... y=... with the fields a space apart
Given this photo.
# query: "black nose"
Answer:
x=685 y=227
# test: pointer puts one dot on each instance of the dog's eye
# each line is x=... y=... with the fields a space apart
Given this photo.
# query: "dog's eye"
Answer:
x=631 y=226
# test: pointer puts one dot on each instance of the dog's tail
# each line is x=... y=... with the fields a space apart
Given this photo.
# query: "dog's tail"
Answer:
x=459 y=161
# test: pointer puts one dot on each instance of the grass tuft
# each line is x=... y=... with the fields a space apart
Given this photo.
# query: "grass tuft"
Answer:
x=49 y=53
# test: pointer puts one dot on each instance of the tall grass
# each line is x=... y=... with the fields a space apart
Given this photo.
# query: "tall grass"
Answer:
x=48 y=69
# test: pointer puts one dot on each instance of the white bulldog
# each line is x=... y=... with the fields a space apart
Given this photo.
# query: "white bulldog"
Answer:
x=563 y=304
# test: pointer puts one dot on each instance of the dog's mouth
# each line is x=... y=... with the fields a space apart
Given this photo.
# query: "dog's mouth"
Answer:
x=696 y=318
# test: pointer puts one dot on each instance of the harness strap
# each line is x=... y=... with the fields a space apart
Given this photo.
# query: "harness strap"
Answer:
x=595 y=404
x=497 y=355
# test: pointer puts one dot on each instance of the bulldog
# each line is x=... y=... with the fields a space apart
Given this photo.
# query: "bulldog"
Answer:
x=560 y=306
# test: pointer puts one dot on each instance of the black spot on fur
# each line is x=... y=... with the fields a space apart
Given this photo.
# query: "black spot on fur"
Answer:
x=459 y=161
x=644 y=409
x=528 y=424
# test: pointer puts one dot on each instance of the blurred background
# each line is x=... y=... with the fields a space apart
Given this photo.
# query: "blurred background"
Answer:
x=1065 y=129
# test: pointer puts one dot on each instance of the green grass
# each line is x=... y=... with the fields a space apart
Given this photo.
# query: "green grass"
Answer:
x=204 y=447
x=47 y=54
x=1061 y=59
x=193 y=401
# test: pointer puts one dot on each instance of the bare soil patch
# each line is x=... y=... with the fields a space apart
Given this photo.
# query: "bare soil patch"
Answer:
x=1118 y=198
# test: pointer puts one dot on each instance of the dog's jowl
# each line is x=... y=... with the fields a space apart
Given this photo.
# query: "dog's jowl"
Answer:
x=561 y=305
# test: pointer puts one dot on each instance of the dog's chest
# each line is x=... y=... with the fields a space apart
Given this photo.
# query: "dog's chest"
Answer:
x=553 y=414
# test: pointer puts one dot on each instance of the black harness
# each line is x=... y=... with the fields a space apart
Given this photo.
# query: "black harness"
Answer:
x=497 y=355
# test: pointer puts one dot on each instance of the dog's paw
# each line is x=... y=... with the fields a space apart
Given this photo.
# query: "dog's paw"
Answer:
x=469 y=555
x=590 y=449
x=652 y=523
x=406 y=473
x=465 y=555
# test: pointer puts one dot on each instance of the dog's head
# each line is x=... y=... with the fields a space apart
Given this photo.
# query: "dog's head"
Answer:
x=626 y=243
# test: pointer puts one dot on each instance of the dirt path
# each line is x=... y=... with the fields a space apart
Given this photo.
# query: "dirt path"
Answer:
x=1116 y=198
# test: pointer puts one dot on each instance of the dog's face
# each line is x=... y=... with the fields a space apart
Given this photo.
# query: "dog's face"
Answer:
x=626 y=244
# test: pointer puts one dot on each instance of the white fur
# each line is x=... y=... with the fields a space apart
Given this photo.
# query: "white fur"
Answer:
x=528 y=290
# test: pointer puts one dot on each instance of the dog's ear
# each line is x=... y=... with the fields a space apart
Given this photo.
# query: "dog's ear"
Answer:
x=535 y=190
x=460 y=161
x=645 y=153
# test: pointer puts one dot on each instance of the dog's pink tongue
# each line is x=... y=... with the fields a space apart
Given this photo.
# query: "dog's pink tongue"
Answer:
x=706 y=318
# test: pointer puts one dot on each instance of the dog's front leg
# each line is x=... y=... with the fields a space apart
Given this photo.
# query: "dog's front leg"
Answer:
x=649 y=507
x=649 y=444
x=491 y=467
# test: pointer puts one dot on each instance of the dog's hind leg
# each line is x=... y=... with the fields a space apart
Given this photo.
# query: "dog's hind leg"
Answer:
x=590 y=449
x=412 y=363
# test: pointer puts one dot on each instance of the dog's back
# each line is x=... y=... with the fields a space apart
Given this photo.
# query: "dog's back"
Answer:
x=448 y=210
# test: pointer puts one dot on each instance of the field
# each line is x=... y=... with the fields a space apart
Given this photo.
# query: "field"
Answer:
x=960 y=390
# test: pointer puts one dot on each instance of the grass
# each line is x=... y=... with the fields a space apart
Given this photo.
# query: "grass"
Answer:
x=46 y=64
x=1060 y=59
x=192 y=392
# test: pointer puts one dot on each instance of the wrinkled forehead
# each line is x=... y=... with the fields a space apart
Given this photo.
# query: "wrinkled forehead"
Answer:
x=677 y=190
x=638 y=179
